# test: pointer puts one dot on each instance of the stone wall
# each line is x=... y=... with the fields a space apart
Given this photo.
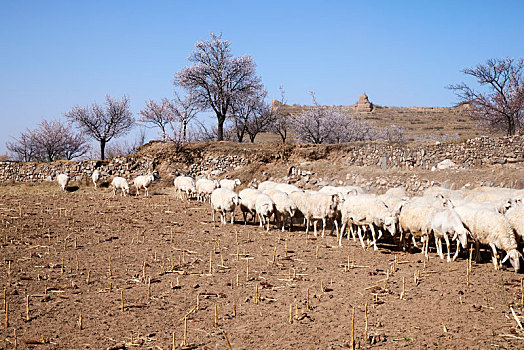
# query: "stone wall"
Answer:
x=480 y=151
x=472 y=153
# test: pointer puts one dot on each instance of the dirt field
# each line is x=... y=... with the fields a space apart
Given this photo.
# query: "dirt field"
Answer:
x=75 y=254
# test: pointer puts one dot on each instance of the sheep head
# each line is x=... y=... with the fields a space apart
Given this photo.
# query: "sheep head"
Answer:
x=390 y=224
x=514 y=257
x=462 y=235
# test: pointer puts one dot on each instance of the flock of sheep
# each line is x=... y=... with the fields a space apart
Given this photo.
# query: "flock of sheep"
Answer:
x=491 y=216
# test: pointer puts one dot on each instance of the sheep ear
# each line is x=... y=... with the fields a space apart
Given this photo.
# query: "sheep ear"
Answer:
x=505 y=258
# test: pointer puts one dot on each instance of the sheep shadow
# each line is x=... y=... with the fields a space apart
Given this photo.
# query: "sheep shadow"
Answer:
x=72 y=188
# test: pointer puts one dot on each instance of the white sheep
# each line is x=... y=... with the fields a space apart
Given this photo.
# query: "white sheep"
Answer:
x=499 y=206
x=443 y=222
x=285 y=208
x=342 y=192
x=96 y=176
x=515 y=217
x=120 y=183
x=320 y=206
x=63 y=180
x=185 y=185
x=393 y=202
x=204 y=188
x=491 y=228
x=248 y=199
x=413 y=220
x=370 y=211
x=397 y=192
x=286 y=188
x=224 y=201
x=143 y=181
x=445 y=192
x=266 y=185
x=264 y=207
x=486 y=194
x=230 y=184
x=301 y=201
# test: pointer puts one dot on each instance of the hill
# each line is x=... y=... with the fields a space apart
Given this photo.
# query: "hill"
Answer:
x=419 y=123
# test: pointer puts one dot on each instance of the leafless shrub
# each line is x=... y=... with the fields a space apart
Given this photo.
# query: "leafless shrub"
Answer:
x=207 y=133
x=124 y=147
x=392 y=133
x=438 y=136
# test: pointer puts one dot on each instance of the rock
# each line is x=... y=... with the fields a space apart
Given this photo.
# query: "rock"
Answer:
x=446 y=164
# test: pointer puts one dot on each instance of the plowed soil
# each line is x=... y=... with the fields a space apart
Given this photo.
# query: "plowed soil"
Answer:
x=73 y=256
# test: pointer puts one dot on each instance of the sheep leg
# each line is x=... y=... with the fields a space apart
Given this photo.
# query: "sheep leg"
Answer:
x=137 y=192
x=447 y=246
x=438 y=243
x=352 y=232
x=341 y=234
x=360 y=237
x=232 y=217
x=477 y=251
x=323 y=226
x=307 y=224
x=244 y=215
x=261 y=219
x=414 y=241
x=267 y=221
x=494 y=257
x=372 y=228
x=315 y=227
x=457 y=251
x=213 y=210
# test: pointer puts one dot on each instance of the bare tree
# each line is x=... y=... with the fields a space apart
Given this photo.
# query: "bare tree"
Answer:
x=216 y=77
x=281 y=122
x=186 y=110
x=56 y=140
x=158 y=115
x=260 y=121
x=104 y=122
x=52 y=140
x=251 y=115
x=313 y=124
x=500 y=106
x=24 y=148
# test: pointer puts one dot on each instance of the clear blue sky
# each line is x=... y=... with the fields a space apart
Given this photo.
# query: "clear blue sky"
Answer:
x=55 y=54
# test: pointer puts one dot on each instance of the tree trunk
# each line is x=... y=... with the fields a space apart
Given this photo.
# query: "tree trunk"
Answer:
x=511 y=126
x=283 y=136
x=185 y=128
x=102 y=149
x=220 y=128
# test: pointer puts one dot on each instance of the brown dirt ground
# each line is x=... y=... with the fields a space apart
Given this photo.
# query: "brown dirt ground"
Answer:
x=54 y=239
